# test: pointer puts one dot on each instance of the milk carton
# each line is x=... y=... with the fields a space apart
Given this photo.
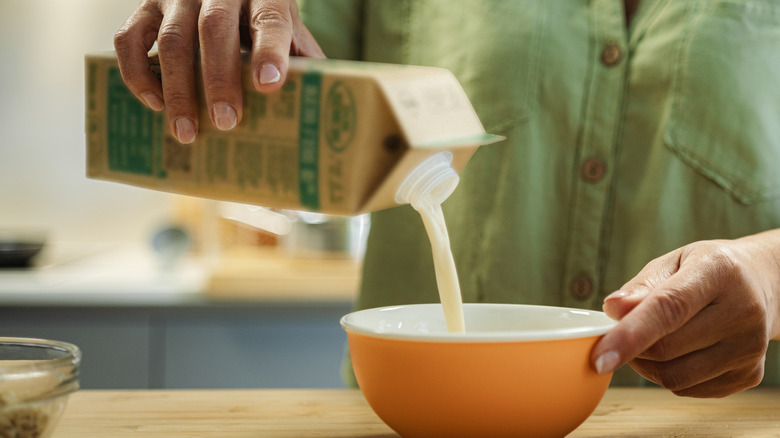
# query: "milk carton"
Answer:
x=339 y=137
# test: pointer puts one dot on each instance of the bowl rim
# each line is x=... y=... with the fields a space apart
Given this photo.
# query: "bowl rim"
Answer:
x=72 y=358
x=585 y=331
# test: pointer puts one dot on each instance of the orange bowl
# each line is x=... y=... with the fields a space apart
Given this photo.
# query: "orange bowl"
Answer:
x=517 y=371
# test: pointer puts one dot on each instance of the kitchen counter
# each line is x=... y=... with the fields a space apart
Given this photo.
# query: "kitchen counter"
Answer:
x=95 y=275
x=103 y=275
x=344 y=413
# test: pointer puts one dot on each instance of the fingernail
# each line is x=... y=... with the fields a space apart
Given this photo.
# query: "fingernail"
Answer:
x=152 y=101
x=224 y=116
x=185 y=130
x=269 y=74
x=607 y=362
x=618 y=294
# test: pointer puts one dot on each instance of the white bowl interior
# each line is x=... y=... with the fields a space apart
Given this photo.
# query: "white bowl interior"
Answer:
x=484 y=323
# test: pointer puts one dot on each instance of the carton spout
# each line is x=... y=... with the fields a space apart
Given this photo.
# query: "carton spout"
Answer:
x=430 y=183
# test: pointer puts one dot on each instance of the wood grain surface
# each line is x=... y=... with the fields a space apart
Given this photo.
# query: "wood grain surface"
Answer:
x=646 y=412
x=267 y=275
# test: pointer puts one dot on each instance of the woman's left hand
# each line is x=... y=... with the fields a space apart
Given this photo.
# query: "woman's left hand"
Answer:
x=699 y=319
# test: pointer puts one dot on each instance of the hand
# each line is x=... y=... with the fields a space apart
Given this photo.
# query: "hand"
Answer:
x=698 y=320
x=181 y=27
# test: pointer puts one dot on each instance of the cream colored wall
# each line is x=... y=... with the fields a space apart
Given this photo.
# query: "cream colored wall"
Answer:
x=42 y=152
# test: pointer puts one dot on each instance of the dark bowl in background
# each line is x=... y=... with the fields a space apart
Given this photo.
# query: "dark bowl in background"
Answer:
x=18 y=248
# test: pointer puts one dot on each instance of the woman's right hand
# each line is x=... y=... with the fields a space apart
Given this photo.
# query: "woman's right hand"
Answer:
x=182 y=27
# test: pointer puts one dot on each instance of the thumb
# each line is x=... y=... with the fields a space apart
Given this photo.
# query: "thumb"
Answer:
x=664 y=310
x=619 y=303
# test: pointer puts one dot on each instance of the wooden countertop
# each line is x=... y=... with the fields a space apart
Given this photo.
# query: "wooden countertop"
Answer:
x=252 y=274
x=344 y=413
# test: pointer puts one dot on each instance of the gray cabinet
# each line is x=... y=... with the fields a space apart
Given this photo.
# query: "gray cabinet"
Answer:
x=205 y=345
x=283 y=347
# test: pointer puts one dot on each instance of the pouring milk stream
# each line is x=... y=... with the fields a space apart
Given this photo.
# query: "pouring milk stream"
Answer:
x=425 y=188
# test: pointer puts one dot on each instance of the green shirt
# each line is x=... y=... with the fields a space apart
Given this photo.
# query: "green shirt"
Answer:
x=624 y=142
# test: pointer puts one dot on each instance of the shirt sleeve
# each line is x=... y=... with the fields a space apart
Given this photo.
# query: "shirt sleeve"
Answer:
x=337 y=25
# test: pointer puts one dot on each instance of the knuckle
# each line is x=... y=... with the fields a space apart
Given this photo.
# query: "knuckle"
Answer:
x=669 y=380
x=754 y=376
x=215 y=21
x=727 y=266
x=752 y=307
x=724 y=256
x=174 y=39
x=122 y=38
x=673 y=309
x=757 y=345
x=656 y=372
x=270 y=17
x=672 y=381
x=179 y=101
x=146 y=17
x=660 y=351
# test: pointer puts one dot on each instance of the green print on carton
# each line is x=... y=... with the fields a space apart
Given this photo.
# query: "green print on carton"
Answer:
x=340 y=117
x=308 y=141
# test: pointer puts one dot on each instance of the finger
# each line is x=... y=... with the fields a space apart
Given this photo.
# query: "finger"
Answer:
x=619 y=303
x=699 y=366
x=303 y=43
x=132 y=43
x=717 y=322
x=726 y=384
x=176 y=46
x=704 y=330
x=664 y=310
x=271 y=31
x=707 y=381
x=221 y=61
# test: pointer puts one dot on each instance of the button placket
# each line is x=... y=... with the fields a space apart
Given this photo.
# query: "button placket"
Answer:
x=592 y=184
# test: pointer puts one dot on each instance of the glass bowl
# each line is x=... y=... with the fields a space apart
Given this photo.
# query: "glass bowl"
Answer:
x=36 y=378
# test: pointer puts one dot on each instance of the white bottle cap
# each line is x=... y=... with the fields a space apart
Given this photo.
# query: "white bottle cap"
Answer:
x=431 y=182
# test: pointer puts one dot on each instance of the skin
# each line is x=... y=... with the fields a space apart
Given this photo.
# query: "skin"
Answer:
x=696 y=321
x=272 y=28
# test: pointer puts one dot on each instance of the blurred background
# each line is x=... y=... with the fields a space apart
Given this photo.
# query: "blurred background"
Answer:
x=42 y=152
x=158 y=290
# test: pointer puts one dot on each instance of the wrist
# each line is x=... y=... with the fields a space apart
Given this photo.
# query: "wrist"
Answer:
x=765 y=258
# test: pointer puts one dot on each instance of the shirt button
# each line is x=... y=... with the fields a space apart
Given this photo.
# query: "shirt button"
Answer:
x=581 y=287
x=593 y=170
x=611 y=54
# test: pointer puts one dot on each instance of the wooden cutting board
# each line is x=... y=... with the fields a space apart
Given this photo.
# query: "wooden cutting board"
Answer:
x=344 y=413
x=270 y=275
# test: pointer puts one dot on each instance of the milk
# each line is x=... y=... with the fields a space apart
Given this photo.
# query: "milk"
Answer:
x=425 y=188
x=444 y=265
